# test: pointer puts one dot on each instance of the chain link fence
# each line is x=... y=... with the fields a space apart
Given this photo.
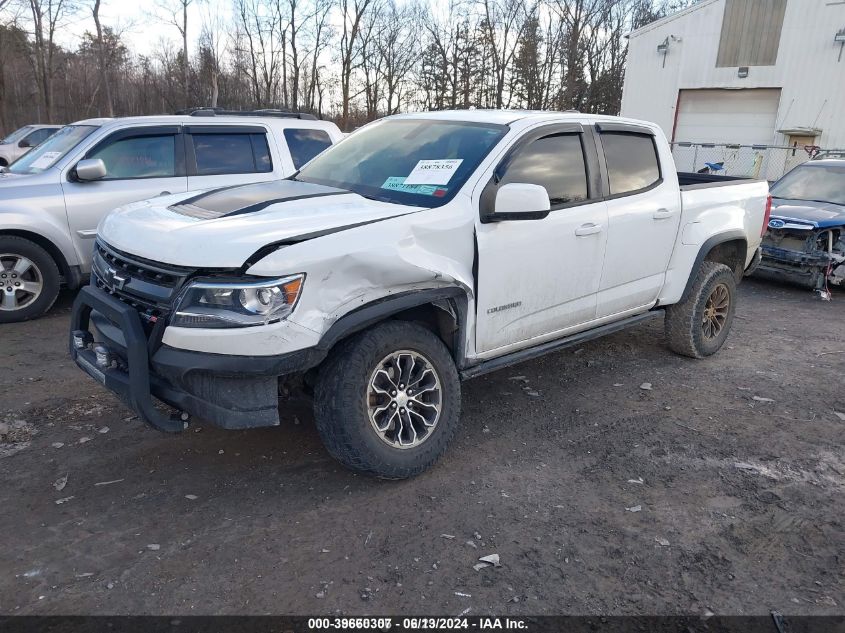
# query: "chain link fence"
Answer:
x=751 y=161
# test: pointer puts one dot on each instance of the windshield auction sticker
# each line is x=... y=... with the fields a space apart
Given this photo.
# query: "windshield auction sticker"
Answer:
x=398 y=183
x=433 y=172
x=45 y=160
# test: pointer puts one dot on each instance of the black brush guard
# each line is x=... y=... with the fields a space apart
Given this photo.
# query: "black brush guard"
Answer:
x=134 y=384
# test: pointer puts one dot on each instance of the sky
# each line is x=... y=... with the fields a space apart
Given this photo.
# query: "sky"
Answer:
x=140 y=27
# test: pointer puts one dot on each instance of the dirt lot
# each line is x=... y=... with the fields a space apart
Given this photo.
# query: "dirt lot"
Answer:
x=598 y=495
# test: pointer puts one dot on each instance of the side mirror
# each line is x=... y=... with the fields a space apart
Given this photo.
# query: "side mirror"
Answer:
x=520 y=201
x=90 y=169
x=24 y=143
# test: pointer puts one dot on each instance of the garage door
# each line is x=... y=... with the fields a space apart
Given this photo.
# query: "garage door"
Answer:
x=746 y=116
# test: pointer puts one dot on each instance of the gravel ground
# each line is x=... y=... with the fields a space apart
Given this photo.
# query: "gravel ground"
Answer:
x=719 y=489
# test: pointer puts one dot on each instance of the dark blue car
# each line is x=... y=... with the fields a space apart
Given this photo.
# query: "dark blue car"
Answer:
x=805 y=241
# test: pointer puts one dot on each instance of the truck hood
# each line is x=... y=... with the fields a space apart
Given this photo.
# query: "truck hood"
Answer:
x=223 y=228
x=9 y=180
x=815 y=215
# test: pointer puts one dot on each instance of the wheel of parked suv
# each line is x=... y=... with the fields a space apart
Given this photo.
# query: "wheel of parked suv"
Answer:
x=29 y=279
x=387 y=401
x=699 y=325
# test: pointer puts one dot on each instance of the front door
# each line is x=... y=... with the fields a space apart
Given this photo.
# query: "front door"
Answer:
x=537 y=278
x=141 y=163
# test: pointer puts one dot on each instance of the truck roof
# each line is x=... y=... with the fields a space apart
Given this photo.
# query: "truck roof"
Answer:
x=506 y=117
x=206 y=120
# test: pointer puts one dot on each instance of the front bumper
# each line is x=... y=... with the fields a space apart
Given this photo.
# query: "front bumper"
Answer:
x=232 y=392
x=800 y=267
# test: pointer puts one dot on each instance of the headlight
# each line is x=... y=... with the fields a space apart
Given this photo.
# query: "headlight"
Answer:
x=237 y=303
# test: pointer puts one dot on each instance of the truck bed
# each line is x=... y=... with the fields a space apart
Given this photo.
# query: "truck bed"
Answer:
x=689 y=180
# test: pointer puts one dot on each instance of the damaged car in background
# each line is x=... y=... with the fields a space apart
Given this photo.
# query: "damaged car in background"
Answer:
x=805 y=241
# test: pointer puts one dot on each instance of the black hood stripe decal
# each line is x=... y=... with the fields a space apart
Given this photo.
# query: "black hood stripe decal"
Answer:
x=263 y=205
x=250 y=198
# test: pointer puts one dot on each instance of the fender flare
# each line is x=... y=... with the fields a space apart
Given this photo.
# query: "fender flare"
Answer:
x=369 y=314
x=709 y=245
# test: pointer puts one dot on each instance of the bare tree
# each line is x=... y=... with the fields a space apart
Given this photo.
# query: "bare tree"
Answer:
x=47 y=15
x=175 y=13
x=320 y=34
x=578 y=16
x=502 y=27
x=351 y=60
x=258 y=28
x=101 y=59
x=397 y=46
x=352 y=14
x=211 y=49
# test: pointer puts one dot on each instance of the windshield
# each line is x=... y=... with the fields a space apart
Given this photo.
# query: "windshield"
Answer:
x=17 y=135
x=822 y=183
x=411 y=161
x=51 y=150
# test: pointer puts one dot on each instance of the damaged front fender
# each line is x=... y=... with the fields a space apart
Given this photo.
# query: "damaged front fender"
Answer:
x=346 y=271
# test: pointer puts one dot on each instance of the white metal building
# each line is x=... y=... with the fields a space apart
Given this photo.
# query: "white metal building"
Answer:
x=751 y=72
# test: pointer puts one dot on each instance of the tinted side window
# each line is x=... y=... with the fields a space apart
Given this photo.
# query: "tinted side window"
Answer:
x=555 y=162
x=305 y=144
x=631 y=159
x=139 y=157
x=39 y=136
x=231 y=154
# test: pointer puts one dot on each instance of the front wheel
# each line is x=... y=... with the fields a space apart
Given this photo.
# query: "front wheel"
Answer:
x=387 y=400
x=699 y=325
x=29 y=279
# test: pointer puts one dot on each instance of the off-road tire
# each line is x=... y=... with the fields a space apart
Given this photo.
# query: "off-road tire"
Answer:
x=341 y=401
x=49 y=271
x=683 y=323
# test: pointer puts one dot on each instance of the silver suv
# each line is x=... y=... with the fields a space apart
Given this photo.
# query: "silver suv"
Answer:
x=22 y=140
x=53 y=198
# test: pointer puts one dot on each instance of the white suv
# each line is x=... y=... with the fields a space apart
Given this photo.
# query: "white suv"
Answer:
x=52 y=199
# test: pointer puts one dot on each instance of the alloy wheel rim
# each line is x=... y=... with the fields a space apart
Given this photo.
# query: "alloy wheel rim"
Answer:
x=404 y=399
x=715 y=312
x=21 y=282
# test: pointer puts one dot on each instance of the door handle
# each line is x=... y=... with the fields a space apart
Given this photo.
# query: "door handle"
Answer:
x=662 y=214
x=588 y=229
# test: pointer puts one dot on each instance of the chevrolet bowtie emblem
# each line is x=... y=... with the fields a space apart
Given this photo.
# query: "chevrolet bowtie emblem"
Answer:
x=115 y=280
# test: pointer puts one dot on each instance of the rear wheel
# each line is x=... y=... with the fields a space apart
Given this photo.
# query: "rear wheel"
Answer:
x=387 y=401
x=29 y=280
x=699 y=325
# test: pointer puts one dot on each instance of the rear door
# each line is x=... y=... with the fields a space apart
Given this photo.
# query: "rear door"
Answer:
x=537 y=278
x=141 y=163
x=644 y=214
x=223 y=155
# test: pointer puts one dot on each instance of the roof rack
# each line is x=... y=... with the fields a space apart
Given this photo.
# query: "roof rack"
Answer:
x=203 y=111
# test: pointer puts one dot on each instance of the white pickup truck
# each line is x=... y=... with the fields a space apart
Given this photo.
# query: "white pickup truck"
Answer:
x=53 y=198
x=421 y=250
